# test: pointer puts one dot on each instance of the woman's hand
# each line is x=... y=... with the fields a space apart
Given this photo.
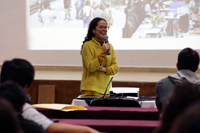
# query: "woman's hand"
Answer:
x=103 y=69
x=106 y=47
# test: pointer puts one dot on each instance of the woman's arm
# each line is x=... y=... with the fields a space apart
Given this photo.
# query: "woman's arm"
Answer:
x=91 y=63
x=113 y=68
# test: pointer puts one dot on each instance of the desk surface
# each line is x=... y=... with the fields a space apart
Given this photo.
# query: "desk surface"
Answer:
x=144 y=104
x=115 y=126
x=120 y=113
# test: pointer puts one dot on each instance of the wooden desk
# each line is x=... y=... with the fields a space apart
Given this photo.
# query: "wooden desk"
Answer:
x=115 y=126
x=122 y=113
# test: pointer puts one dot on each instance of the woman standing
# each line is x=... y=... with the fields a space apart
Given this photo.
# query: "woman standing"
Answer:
x=98 y=67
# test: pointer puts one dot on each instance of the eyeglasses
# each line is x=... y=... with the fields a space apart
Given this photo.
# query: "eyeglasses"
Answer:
x=103 y=27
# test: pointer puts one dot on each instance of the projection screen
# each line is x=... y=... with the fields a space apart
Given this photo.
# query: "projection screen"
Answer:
x=134 y=24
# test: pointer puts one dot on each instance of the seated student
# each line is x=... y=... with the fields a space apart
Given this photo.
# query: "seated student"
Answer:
x=187 y=65
x=22 y=72
x=17 y=97
x=182 y=96
x=188 y=121
x=8 y=118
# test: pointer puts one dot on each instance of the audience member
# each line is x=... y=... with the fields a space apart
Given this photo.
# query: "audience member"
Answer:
x=8 y=118
x=187 y=65
x=17 y=97
x=22 y=72
x=182 y=95
x=188 y=121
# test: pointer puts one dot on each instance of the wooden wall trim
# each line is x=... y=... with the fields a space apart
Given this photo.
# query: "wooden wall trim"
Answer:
x=67 y=90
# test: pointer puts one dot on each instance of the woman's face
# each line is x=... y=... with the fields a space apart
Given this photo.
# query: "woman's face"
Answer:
x=100 y=30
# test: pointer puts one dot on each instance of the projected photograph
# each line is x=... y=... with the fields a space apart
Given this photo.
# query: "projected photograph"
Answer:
x=162 y=19
x=57 y=24
x=137 y=18
x=75 y=13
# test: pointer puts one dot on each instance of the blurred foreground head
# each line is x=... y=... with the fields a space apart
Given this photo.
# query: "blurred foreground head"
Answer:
x=182 y=95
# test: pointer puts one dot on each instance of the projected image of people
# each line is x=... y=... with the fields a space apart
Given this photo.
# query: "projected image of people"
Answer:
x=75 y=13
x=162 y=19
x=135 y=18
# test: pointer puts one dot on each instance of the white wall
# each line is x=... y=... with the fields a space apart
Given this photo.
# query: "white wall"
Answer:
x=13 y=45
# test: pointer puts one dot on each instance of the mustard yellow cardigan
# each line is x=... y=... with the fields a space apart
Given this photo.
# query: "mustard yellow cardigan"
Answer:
x=93 y=57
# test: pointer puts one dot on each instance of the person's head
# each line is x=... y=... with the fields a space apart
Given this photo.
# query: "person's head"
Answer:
x=107 y=5
x=188 y=59
x=182 y=95
x=188 y=121
x=14 y=93
x=18 y=70
x=95 y=6
x=46 y=4
x=87 y=2
x=8 y=118
x=97 y=28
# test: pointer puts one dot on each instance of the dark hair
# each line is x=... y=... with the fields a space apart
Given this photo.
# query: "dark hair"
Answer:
x=188 y=59
x=8 y=118
x=92 y=26
x=182 y=95
x=46 y=4
x=87 y=2
x=188 y=121
x=18 y=70
x=14 y=93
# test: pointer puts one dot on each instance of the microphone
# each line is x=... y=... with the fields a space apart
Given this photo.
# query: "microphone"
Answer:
x=106 y=41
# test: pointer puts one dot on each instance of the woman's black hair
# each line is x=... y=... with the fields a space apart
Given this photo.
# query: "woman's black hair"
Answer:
x=92 y=26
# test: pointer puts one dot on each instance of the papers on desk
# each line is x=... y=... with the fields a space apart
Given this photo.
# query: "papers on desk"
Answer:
x=61 y=107
x=123 y=90
x=88 y=96
x=129 y=97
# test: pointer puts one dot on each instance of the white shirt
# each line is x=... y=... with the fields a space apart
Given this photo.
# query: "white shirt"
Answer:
x=30 y=113
x=191 y=4
x=48 y=18
x=86 y=10
x=147 y=8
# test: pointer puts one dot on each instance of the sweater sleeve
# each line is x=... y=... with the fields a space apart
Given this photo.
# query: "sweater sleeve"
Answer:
x=109 y=71
x=113 y=68
x=91 y=63
x=101 y=57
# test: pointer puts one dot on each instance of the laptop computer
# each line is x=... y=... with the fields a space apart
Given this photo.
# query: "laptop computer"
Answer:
x=90 y=96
